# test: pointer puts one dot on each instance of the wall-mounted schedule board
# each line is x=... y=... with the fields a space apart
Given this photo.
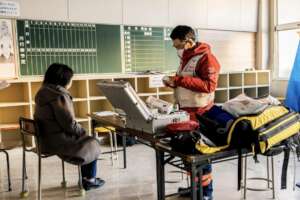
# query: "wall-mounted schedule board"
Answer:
x=149 y=48
x=87 y=48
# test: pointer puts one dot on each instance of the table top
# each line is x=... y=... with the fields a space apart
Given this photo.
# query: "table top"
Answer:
x=199 y=158
x=156 y=142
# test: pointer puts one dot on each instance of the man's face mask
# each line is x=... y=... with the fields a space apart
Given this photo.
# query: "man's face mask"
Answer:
x=180 y=46
x=180 y=52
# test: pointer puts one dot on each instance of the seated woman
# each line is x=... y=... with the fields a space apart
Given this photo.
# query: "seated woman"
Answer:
x=60 y=133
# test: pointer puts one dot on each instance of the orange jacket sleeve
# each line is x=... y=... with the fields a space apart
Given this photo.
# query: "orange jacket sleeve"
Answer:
x=206 y=79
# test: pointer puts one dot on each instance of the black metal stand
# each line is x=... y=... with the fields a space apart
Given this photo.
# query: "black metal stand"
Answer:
x=8 y=168
x=190 y=163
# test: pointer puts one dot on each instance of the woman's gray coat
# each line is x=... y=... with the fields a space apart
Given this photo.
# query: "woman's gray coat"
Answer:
x=60 y=133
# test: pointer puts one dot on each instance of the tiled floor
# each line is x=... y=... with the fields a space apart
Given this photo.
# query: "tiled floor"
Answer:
x=136 y=182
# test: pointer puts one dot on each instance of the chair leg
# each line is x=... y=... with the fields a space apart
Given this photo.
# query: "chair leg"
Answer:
x=295 y=171
x=268 y=172
x=116 y=144
x=82 y=191
x=63 y=183
x=111 y=147
x=273 y=177
x=245 y=178
x=39 y=177
x=24 y=192
x=8 y=170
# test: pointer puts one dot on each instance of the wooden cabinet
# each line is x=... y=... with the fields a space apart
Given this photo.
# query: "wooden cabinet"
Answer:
x=18 y=99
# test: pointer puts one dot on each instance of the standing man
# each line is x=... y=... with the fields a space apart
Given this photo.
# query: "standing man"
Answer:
x=195 y=82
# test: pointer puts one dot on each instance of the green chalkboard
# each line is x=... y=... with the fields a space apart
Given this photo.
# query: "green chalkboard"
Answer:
x=87 y=48
x=149 y=48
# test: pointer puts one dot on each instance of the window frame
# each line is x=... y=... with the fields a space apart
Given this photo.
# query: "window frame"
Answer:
x=278 y=28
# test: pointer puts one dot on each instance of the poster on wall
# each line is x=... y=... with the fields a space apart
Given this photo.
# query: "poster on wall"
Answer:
x=8 y=62
x=9 y=8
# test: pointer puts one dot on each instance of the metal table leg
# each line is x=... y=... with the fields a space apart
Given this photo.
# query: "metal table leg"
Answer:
x=200 y=188
x=124 y=149
x=193 y=183
x=94 y=123
x=160 y=175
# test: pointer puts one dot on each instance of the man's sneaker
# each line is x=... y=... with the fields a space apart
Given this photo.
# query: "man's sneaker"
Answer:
x=298 y=184
x=186 y=192
x=207 y=198
x=88 y=185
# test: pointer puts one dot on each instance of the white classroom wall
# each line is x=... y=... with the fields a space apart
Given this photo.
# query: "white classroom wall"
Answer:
x=235 y=15
x=239 y=15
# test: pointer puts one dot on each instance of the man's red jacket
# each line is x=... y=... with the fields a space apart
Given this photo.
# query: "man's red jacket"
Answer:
x=206 y=74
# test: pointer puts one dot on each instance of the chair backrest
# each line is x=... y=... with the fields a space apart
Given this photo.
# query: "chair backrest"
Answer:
x=28 y=127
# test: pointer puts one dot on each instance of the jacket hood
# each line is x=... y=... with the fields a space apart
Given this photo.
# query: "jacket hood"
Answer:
x=198 y=49
x=49 y=93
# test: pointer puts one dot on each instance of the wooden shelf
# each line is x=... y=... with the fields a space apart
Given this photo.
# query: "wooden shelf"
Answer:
x=263 y=78
x=221 y=96
x=100 y=105
x=79 y=89
x=250 y=86
x=249 y=78
x=130 y=80
x=93 y=89
x=220 y=89
x=18 y=99
x=235 y=88
x=251 y=92
x=81 y=119
x=146 y=94
x=93 y=98
x=9 y=126
x=235 y=92
x=168 y=98
x=166 y=93
x=79 y=99
x=223 y=81
x=143 y=86
x=13 y=104
x=236 y=80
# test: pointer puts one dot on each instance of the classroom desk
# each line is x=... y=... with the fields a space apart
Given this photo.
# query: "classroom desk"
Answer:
x=165 y=155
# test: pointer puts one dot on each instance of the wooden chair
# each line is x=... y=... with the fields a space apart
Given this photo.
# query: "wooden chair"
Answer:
x=6 y=146
x=29 y=127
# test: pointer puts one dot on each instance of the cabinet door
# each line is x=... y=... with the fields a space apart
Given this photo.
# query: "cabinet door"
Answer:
x=44 y=9
x=145 y=12
x=188 y=12
x=97 y=11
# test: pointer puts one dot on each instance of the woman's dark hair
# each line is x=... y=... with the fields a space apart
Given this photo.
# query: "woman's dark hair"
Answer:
x=58 y=74
x=183 y=32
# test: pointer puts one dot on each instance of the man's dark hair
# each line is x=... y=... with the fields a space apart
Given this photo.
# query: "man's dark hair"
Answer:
x=58 y=74
x=183 y=32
